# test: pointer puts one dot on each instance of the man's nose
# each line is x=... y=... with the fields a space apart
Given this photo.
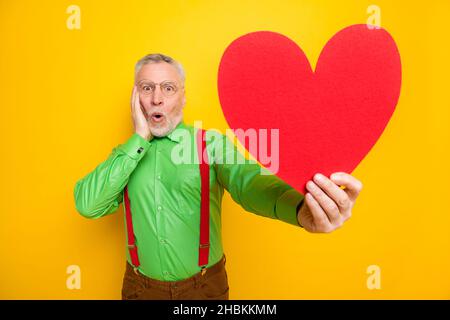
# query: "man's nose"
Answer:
x=157 y=97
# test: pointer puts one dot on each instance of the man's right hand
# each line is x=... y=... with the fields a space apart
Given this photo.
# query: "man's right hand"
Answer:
x=140 y=122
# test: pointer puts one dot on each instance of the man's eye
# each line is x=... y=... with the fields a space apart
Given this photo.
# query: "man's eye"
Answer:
x=147 y=88
x=169 y=88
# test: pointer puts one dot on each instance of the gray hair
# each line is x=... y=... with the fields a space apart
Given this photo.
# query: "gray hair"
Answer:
x=157 y=58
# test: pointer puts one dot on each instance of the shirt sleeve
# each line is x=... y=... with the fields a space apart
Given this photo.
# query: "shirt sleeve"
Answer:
x=252 y=186
x=100 y=192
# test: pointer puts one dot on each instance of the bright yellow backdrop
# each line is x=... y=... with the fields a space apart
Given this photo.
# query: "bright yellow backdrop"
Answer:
x=64 y=97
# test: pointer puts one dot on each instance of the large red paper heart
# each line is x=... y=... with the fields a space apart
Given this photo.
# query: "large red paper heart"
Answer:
x=328 y=120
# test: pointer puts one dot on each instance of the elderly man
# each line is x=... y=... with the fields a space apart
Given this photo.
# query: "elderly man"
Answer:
x=173 y=209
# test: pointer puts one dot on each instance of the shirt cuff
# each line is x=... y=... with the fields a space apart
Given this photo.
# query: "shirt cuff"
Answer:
x=286 y=206
x=135 y=147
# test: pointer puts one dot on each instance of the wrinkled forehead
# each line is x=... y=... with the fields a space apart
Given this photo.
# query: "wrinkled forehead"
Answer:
x=158 y=72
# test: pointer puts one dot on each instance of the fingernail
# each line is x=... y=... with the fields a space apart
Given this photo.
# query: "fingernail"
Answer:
x=318 y=177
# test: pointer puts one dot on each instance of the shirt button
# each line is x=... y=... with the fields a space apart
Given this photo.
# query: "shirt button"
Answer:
x=163 y=241
x=158 y=177
x=166 y=272
x=140 y=150
x=159 y=208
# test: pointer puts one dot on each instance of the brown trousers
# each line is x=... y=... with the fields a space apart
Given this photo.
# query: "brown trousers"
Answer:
x=212 y=285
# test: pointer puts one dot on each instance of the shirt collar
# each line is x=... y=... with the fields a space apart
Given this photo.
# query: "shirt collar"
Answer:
x=177 y=137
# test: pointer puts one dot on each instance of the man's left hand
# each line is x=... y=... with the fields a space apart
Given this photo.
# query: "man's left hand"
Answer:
x=326 y=206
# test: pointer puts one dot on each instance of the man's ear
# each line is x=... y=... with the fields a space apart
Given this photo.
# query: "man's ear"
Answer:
x=184 y=100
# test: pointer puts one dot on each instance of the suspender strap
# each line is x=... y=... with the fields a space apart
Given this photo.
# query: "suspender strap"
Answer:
x=203 y=251
x=132 y=248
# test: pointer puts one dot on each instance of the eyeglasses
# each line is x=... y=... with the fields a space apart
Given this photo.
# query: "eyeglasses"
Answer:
x=168 y=88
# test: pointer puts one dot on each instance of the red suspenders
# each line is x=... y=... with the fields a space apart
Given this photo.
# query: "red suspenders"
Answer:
x=203 y=251
x=132 y=249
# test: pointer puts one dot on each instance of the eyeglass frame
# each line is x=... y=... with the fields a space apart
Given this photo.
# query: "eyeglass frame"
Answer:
x=159 y=84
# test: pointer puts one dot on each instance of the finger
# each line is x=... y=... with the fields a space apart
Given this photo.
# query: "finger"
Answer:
x=133 y=96
x=136 y=99
x=139 y=109
x=325 y=202
x=321 y=221
x=352 y=185
x=339 y=196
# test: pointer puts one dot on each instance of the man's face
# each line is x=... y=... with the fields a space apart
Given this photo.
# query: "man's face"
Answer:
x=163 y=111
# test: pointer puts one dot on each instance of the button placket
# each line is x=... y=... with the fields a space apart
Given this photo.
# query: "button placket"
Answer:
x=159 y=221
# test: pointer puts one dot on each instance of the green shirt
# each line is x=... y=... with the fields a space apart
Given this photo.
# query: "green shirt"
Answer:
x=165 y=196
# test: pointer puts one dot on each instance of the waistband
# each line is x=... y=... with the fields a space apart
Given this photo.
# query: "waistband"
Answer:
x=193 y=280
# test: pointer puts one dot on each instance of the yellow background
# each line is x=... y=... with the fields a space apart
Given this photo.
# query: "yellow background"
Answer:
x=64 y=97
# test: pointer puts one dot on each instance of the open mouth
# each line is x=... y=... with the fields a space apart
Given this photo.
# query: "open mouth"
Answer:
x=157 y=117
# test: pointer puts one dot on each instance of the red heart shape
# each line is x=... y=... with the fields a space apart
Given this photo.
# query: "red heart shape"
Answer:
x=328 y=120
